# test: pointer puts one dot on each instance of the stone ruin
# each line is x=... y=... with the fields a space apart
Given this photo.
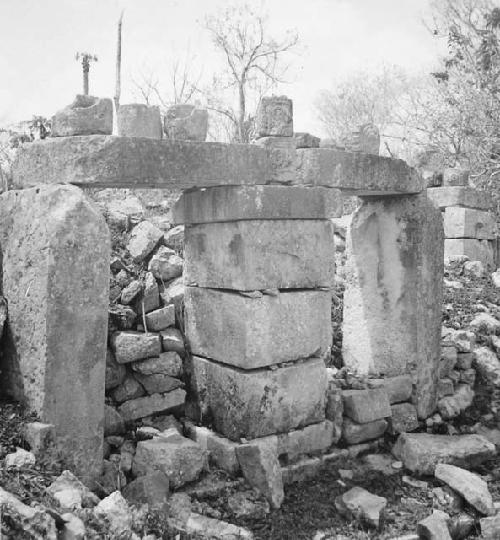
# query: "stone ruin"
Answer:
x=258 y=273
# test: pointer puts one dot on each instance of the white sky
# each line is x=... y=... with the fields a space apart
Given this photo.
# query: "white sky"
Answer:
x=39 y=39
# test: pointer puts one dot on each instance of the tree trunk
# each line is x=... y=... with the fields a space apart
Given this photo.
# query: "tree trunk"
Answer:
x=241 y=117
x=118 y=64
x=85 y=82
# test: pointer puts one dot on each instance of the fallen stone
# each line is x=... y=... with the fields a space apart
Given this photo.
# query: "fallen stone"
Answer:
x=244 y=505
x=364 y=406
x=358 y=503
x=87 y=115
x=474 y=269
x=151 y=296
x=174 y=293
x=381 y=463
x=233 y=203
x=487 y=364
x=73 y=527
x=151 y=489
x=186 y=122
x=354 y=433
x=469 y=223
x=117 y=512
x=158 y=383
x=181 y=459
x=131 y=292
x=486 y=323
x=49 y=237
x=159 y=319
x=70 y=493
x=261 y=468
x=143 y=239
x=475 y=250
x=20 y=459
x=113 y=422
x=460 y=196
x=403 y=418
x=421 y=452
x=256 y=332
x=434 y=527
x=451 y=406
x=145 y=406
x=39 y=436
x=387 y=305
x=174 y=238
x=115 y=372
x=260 y=402
x=299 y=254
x=207 y=528
x=472 y=488
x=398 y=388
x=172 y=341
x=139 y=120
x=490 y=527
x=462 y=340
x=129 y=389
x=315 y=438
x=168 y=363
x=166 y=264
x=130 y=346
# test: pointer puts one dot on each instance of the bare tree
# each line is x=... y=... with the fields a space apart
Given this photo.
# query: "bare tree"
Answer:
x=254 y=60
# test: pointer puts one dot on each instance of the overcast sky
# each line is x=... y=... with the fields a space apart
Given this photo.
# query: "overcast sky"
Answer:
x=39 y=39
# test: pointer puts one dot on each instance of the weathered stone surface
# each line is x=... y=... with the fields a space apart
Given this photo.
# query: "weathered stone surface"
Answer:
x=359 y=173
x=261 y=468
x=70 y=493
x=158 y=383
x=274 y=117
x=472 y=488
x=364 y=406
x=233 y=203
x=445 y=388
x=454 y=176
x=73 y=528
x=361 y=504
x=139 y=120
x=460 y=196
x=129 y=389
x=166 y=264
x=130 y=346
x=139 y=162
x=151 y=297
x=39 y=436
x=282 y=157
x=117 y=512
x=181 y=459
x=186 y=122
x=434 y=527
x=392 y=314
x=256 y=332
x=121 y=317
x=475 y=250
x=198 y=525
x=365 y=139
x=168 y=363
x=403 y=418
x=145 y=406
x=398 y=388
x=54 y=354
x=334 y=410
x=306 y=140
x=174 y=293
x=113 y=422
x=172 y=340
x=143 y=239
x=261 y=402
x=19 y=459
x=421 y=452
x=159 y=319
x=469 y=223
x=487 y=364
x=354 y=433
x=308 y=440
x=115 y=372
x=150 y=489
x=261 y=254
x=474 y=269
x=490 y=527
x=87 y=115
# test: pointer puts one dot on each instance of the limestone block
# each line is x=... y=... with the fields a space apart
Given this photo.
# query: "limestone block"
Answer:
x=159 y=319
x=403 y=418
x=186 y=122
x=130 y=346
x=434 y=527
x=261 y=402
x=39 y=436
x=354 y=433
x=166 y=264
x=358 y=503
x=129 y=389
x=148 y=405
x=359 y=173
x=274 y=117
x=366 y=405
x=87 y=115
x=143 y=239
x=392 y=314
x=126 y=162
x=455 y=177
x=172 y=340
x=365 y=139
x=282 y=157
x=151 y=489
x=139 y=120
x=113 y=422
x=469 y=223
x=158 y=382
x=250 y=333
x=398 y=388
x=490 y=527
x=234 y=203
x=55 y=258
x=256 y=255
x=167 y=363
x=115 y=372
x=460 y=196
x=475 y=250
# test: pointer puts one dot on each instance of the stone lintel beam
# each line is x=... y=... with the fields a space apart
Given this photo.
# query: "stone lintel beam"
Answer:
x=357 y=173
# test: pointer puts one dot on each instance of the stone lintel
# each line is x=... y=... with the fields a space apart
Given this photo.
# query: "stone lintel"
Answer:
x=233 y=203
x=460 y=196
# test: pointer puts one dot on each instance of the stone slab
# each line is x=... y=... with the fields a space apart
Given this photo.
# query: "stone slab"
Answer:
x=127 y=162
x=256 y=332
x=261 y=254
x=234 y=203
x=139 y=120
x=364 y=406
x=262 y=402
x=469 y=223
x=460 y=196
x=392 y=313
x=148 y=405
x=55 y=256
x=358 y=173
x=475 y=250
x=274 y=117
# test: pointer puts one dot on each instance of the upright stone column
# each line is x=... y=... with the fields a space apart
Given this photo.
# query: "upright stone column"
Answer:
x=259 y=267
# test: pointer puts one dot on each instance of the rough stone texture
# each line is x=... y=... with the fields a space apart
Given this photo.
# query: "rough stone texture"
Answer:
x=486 y=323
x=261 y=402
x=115 y=372
x=359 y=173
x=282 y=157
x=455 y=177
x=261 y=254
x=398 y=388
x=39 y=436
x=233 y=203
x=364 y=406
x=158 y=383
x=129 y=389
x=200 y=526
x=19 y=459
x=54 y=354
x=113 y=422
x=392 y=300
x=354 y=433
x=475 y=250
x=256 y=332
x=174 y=294
x=452 y=406
x=186 y=122
x=181 y=459
x=145 y=406
x=487 y=364
x=130 y=346
x=151 y=297
x=434 y=527
x=306 y=140
x=421 y=452
x=472 y=488
x=261 y=468
x=159 y=319
x=469 y=223
x=151 y=489
x=403 y=418
x=87 y=115
x=139 y=120
x=143 y=239
x=460 y=196
x=334 y=410
x=126 y=162
x=490 y=527
x=172 y=340
x=360 y=504
x=118 y=513
x=168 y=363
x=274 y=117
x=166 y=264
